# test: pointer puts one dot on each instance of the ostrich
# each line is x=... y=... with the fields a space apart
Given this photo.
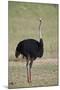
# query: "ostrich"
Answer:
x=31 y=49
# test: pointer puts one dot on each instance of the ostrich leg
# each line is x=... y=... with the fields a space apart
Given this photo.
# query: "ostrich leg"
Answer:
x=27 y=71
x=30 y=66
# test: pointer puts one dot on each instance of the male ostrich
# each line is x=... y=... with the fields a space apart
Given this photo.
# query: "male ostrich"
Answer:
x=31 y=49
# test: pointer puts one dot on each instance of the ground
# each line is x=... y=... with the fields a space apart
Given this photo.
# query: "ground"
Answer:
x=44 y=73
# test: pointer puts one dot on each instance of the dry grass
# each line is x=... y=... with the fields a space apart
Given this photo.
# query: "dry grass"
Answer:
x=44 y=73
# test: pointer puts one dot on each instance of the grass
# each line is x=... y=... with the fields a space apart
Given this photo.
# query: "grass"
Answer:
x=43 y=74
x=23 y=22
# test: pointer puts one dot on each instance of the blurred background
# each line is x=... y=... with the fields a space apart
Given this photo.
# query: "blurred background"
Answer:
x=23 y=21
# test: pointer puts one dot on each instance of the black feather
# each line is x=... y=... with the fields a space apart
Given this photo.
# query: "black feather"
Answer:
x=30 y=48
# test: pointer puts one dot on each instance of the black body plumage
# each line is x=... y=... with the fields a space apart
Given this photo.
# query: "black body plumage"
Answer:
x=30 y=48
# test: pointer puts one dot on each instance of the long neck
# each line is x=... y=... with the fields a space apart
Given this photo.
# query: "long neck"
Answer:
x=40 y=34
